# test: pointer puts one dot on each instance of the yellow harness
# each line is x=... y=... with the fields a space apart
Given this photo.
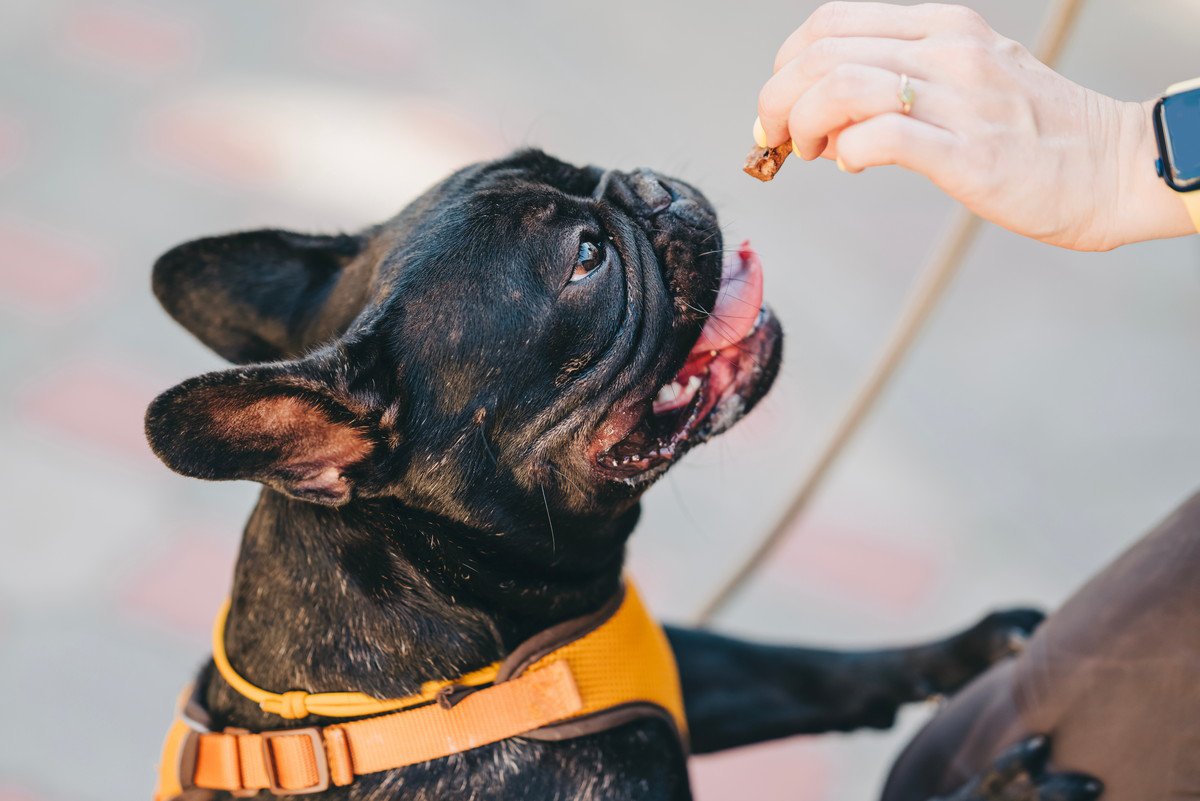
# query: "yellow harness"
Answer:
x=576 y=678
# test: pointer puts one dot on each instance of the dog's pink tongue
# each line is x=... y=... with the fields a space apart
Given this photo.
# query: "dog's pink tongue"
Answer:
x=738 y=302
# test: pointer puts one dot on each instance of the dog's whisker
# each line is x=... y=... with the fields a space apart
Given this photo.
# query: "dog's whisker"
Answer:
x=728 y=330
x=718 y=250
x=745 y=302
x=725 y=281
x=566 y=478
x=718 y=322
x=553 y=540
x=487 y=446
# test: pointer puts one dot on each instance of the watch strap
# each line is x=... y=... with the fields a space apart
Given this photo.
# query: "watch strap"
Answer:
x=1182 y=86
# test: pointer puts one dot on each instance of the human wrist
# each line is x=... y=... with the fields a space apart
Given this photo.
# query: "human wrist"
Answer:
x=1147 y=207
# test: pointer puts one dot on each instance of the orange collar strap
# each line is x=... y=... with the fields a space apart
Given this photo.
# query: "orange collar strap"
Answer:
x=579 y=677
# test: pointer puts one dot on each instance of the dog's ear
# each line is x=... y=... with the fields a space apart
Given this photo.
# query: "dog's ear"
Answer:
x=280 y=424
x=259 y=296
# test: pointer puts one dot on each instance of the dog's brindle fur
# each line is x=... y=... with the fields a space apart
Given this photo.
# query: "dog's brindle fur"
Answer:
x=421 y=401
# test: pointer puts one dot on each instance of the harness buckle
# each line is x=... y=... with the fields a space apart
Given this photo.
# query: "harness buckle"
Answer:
x=243 y=793
x=186 y=761
x=320 y=760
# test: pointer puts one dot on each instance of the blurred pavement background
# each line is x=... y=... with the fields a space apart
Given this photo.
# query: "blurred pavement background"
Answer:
x=1049 y=417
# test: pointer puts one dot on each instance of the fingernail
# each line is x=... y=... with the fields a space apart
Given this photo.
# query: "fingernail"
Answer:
x=760 y=135
x=841 y=164
x=796 y=151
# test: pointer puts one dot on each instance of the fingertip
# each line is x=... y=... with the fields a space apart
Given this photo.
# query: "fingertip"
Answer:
x=849 y=169
x=807 y=149
x=760 y=134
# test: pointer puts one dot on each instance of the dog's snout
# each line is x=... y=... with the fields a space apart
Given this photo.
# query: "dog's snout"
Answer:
x=668 y=209
x=650 y=190
x=641 y=191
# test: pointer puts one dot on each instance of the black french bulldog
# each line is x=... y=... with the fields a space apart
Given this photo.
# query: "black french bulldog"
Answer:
x=455 y=413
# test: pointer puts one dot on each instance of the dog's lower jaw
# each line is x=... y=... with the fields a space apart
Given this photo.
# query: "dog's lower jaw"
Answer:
x=379 y=599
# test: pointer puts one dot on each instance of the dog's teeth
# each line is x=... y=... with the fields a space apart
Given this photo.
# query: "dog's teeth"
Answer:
x=693 y=383
x=668 y=393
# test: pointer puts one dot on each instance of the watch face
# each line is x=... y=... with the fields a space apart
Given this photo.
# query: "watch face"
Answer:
x=1181 y=123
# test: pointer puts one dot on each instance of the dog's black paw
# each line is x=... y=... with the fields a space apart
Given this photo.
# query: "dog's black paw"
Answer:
x=1019 y=774
x=1003 y=634
x=949 y=665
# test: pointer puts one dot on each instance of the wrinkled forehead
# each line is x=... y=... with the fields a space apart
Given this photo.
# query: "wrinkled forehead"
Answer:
x=483 y=230
x=500 y=208
x=537 y=168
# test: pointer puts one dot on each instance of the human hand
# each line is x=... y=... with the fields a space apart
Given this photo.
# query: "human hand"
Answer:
x=993 y=127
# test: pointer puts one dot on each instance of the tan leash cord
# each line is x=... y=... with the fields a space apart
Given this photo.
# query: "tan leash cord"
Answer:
x=923 y=298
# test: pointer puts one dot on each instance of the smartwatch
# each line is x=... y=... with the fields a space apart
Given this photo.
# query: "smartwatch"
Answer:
x=1177 y=130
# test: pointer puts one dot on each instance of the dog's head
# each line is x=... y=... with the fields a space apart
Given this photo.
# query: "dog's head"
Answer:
x=525 y=333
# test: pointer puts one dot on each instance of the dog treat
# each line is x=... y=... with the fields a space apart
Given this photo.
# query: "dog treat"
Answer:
x=764 y=162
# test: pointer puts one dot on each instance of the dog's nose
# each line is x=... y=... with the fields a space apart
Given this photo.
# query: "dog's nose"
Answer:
x=650 y=190
x=640 y=191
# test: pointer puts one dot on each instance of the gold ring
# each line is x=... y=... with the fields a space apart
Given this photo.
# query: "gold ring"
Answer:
x=907 y=94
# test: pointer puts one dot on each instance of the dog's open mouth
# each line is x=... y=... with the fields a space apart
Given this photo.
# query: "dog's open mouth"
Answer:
x=728 y=370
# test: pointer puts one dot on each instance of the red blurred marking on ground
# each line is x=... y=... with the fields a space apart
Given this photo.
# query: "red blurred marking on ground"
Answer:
x=370 y=40
x=181 y=588
x=97 y=404
x=138 y=39
x=10 y=793
x=210 y=147
x=785 y=770
x=859 y=567
x=44 y=268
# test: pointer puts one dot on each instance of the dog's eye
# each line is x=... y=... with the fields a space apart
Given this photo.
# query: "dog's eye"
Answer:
x=589 y=257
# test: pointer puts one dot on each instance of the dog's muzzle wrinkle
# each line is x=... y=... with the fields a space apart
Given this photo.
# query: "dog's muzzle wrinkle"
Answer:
x=602 y=185
x=650 y=190
x=641 y=192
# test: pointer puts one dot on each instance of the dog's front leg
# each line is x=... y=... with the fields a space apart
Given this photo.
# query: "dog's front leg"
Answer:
x=738 y=692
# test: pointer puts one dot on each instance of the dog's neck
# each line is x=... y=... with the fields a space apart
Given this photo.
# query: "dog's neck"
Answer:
x=378 y=598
